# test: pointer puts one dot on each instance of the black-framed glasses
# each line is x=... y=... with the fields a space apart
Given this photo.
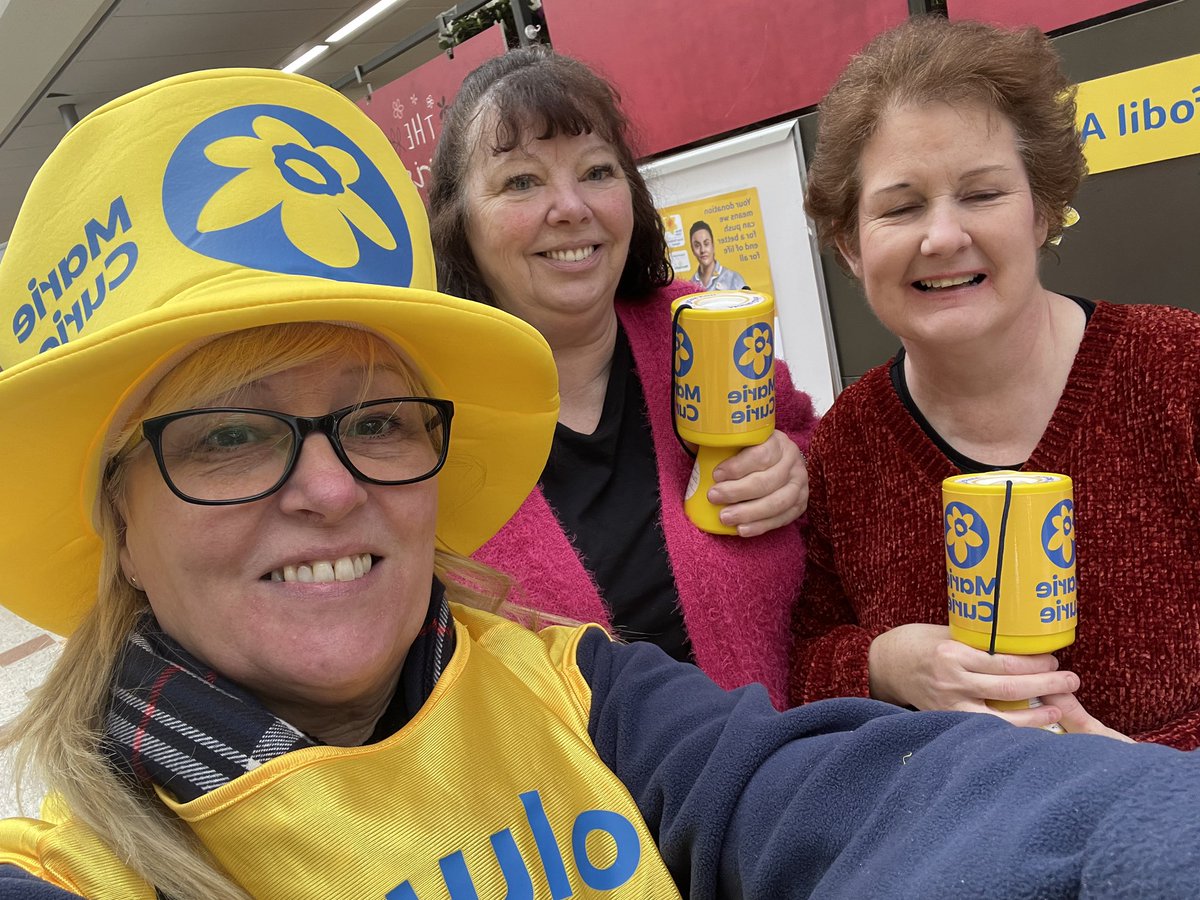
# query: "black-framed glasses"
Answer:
x=223 y=455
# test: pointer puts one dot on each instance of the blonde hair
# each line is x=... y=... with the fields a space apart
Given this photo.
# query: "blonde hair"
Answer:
x=59 y=735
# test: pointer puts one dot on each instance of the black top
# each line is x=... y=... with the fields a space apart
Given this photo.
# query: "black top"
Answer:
x=604 y=488
x=963 y=463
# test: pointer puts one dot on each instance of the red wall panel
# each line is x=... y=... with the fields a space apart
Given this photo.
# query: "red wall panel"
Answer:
x=689 y=69
x=1046 y=16
x=409 y=109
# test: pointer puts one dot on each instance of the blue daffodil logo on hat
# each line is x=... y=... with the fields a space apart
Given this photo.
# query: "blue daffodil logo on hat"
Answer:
x=278 y=189
x=310 y=185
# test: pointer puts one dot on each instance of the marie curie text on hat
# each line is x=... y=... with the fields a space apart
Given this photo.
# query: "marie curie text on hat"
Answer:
x=50 y=295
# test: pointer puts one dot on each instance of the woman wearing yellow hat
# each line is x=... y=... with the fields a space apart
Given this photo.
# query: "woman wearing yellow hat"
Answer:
x=245 y=449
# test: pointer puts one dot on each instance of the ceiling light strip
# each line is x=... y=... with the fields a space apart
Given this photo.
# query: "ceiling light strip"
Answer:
x=305 y=58
x=362 y=19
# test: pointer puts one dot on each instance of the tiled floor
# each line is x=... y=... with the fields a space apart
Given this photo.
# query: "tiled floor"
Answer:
x=26 y=654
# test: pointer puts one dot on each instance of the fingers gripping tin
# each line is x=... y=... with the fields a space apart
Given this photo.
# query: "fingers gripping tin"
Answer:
x=724 y=384
x=1010 y=560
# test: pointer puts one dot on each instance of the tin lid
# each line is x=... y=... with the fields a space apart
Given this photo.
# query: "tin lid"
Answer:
x=1022 y=482
x=738 y=302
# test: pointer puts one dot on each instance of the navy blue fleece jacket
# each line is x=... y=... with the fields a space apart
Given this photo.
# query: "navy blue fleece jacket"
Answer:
x=854 y=798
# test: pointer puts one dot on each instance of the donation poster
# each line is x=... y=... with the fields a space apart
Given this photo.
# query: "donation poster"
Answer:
x=723 y=231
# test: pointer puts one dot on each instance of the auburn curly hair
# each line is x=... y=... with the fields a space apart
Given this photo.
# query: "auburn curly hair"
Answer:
x=930 y=59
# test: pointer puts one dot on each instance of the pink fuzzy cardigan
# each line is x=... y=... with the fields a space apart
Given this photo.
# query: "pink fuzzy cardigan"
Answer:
x=736 y=594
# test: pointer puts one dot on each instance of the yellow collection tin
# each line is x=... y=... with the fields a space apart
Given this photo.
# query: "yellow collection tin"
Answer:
x=1010 y=579
x=725 y=368
x=724 y=386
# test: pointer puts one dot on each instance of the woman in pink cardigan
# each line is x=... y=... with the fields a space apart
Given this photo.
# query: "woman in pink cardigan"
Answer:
x=537 y=207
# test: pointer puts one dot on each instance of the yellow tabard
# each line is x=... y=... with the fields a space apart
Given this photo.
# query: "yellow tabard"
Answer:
x=492 y=790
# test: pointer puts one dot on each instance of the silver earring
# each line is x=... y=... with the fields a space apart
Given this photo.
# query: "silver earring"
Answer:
x=133 y=580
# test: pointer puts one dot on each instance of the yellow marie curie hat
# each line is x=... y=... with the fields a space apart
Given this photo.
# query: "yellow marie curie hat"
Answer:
x=210 y=203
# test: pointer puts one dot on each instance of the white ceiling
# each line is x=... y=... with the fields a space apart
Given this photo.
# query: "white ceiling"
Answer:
x=86 y=52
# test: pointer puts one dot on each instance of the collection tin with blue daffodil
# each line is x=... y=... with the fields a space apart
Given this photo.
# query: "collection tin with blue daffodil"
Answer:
x=1010 y=560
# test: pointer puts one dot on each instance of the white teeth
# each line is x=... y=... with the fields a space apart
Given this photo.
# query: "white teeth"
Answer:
x=324 y=571
x=576 y=255
x=947 y=282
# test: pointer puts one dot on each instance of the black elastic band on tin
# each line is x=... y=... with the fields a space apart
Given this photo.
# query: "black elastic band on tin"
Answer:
x=674 y=350
x=1008 y=487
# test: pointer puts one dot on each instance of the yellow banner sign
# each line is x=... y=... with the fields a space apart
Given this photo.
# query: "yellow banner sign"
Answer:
x=1141 y=116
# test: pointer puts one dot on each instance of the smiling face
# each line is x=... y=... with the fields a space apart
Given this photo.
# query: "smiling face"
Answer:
x=948 y=238
x=549 y=224
x=702 y=248
x=220 y=578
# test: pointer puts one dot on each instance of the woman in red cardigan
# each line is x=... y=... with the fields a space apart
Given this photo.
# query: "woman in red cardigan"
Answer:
x=537 y=207
x=946 y=161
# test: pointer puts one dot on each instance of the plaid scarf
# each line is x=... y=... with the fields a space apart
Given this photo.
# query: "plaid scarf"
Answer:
x=176 y=722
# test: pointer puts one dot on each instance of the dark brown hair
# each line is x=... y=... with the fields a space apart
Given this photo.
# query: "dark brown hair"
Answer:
x=534 y=94
x=930 y=59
